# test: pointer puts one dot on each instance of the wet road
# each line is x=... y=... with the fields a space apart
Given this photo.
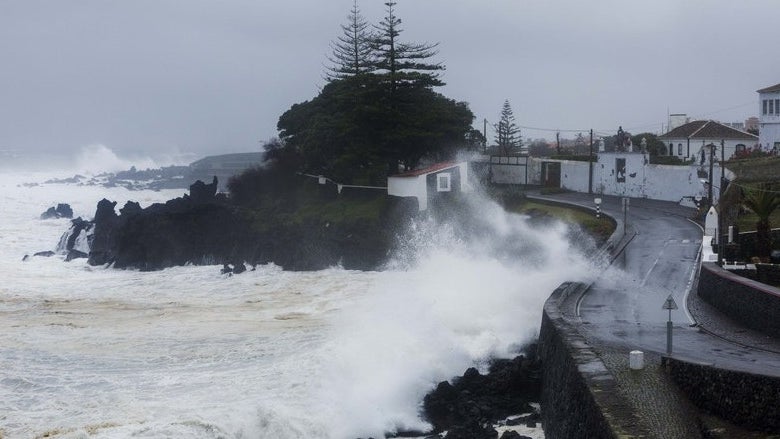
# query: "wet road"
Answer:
x=624 y=306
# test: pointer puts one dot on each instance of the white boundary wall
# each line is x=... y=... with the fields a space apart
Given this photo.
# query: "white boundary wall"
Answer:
x=640 y=179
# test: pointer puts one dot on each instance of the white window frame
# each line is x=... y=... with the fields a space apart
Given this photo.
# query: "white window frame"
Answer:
x=443 y=182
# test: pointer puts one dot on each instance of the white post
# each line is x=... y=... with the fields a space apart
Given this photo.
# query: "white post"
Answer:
x=636 y=360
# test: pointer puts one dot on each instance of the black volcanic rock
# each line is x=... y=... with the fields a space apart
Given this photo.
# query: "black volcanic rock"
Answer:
x=287 y=228
x=62 y=210
x=472 y=430
x=131 y=208
x=75 y=254
x=103 y=241
x=45 y=254
x=203 y=193
x=78 y=226
x=477 y=400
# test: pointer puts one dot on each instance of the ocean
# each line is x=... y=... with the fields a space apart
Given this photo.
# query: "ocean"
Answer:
x=96 y=352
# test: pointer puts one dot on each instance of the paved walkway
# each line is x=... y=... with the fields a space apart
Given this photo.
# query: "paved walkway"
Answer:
x=622 y=312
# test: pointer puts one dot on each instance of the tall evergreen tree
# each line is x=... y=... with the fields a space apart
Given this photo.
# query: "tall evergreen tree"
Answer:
x=507 y=132
x=403 y=63
x=352 y=51
x=378 y=109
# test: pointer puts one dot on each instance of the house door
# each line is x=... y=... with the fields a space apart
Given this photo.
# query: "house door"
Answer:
x=551 y=174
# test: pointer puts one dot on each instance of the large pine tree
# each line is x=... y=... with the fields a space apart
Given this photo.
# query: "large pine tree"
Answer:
x=403 y=63
x=352 y=51
x=372 y=116
x=507 y=132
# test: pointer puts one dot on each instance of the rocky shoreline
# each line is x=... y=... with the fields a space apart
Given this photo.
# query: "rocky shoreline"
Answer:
x=206 y=228
x=477 y=406
x=470 y=406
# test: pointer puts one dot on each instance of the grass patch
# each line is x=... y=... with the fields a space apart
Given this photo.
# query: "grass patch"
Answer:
x=599 y=228
x=342 y=210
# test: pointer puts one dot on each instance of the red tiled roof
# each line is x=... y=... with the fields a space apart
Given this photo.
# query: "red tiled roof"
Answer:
x=771 y=89
x=707 y=129
x=429 y=170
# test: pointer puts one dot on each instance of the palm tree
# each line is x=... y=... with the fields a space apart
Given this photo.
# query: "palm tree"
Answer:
x=762 y=200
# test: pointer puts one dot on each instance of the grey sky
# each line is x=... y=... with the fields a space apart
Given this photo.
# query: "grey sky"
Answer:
x=164 y=76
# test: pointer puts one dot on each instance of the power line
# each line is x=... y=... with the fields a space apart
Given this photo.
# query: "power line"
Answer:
x=633 y=128
x=753 y=102
x=754 y=188
x=554 y=130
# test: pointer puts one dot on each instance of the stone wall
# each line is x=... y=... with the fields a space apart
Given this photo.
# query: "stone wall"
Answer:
x=748 y=302
x=742 y=398
x=580 y=398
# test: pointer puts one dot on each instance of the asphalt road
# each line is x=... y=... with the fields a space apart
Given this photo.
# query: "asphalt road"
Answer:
x=623 y=307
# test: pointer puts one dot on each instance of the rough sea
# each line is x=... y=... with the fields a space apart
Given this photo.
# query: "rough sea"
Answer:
x=96 y=352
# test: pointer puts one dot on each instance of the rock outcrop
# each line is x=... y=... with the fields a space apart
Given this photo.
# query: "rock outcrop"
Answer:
x=62 y=210
x=473 y=402
x=205 y=227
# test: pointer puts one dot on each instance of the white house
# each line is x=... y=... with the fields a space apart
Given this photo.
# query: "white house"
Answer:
x=769 y=119
x=427 y=183
x=692 y=140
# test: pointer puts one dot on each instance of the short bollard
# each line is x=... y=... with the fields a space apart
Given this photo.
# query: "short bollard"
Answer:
x=636 y=360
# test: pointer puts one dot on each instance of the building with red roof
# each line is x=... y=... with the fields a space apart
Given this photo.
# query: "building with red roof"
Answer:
x=425 y=184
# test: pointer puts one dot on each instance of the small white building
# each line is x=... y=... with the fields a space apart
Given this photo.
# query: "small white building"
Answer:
x=691 y=141
x=427 y=183
x=769 y=118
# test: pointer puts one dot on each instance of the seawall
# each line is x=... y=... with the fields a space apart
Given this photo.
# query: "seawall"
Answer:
x=580 y=398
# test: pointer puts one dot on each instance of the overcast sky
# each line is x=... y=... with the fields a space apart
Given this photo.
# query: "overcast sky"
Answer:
x=165 y=76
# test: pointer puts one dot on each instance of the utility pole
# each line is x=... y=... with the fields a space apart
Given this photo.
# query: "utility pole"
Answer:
x=484 y=132
x=721 y=210
x=712 y=159
x=590 y=164
x=558 y=142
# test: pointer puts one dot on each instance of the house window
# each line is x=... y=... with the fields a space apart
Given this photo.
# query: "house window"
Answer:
x=443 y=182
x=777 y=106
x=771 y=107
x=679 y=149
x=740 y=147
x=764 y=102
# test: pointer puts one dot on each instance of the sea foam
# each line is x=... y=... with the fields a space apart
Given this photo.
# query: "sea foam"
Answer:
x=187 y=352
